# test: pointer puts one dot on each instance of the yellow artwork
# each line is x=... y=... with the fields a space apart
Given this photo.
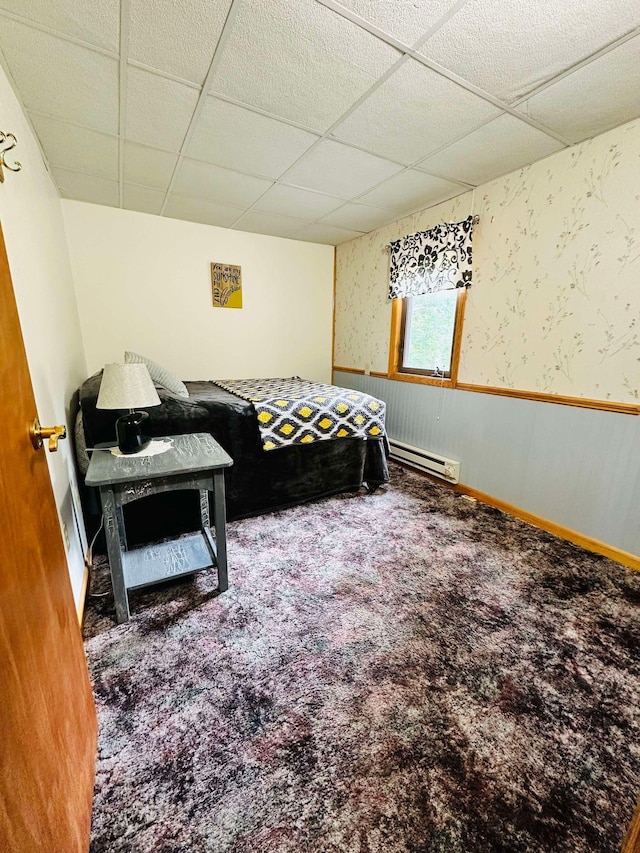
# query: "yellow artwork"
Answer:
x=226 y=284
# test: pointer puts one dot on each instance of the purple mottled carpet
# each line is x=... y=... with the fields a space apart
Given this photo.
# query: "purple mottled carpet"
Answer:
x=403 y=671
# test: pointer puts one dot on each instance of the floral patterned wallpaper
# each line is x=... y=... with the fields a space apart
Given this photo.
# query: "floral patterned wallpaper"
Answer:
x=555 y=304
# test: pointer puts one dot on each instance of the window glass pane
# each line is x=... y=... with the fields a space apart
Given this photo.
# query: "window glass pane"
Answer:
x=429 y=330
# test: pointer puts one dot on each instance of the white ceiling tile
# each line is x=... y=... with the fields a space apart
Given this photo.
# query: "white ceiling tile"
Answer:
x=222 y=186
x=598 y=97
x=307 y=63
x=158 y=110
x=87 y=187
x=73 y=147
x=94 y=21
x=334 y=168
x=148 y=166
x=510 y=48
x=179 y=38
x=62 y=79
x=291 y=201
x=197 y=210
x=406 y=20
x=267 y=223
x=412 y=113
x=227 y=134
x=359 y=217
x=332 y=236
x=411 y=190
x=501 y=146
x=144 y=199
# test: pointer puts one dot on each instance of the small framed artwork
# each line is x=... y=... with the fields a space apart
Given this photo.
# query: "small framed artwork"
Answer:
x=226 y=285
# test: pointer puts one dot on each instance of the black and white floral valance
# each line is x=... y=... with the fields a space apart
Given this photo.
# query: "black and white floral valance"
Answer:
x=438 y=259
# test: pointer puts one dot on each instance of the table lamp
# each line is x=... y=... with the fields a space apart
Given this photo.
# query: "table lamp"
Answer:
x=128 y=386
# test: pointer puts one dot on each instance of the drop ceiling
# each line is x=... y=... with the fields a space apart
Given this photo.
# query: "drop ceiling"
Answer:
x=311 y=119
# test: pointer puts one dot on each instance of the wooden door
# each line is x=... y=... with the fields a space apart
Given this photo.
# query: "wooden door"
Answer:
x=631 y=843
x=47 y=715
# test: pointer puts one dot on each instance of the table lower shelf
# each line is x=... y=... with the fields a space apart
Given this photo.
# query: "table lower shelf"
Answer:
x=167 y=560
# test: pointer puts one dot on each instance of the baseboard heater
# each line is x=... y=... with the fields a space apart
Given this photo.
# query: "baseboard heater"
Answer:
x=432 y=463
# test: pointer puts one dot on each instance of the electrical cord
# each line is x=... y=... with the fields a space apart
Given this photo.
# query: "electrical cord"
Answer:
x=88 y=561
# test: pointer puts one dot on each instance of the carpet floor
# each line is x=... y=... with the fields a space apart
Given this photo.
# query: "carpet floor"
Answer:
x=402 y=672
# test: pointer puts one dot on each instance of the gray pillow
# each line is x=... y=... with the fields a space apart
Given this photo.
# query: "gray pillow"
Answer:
x=160 y=375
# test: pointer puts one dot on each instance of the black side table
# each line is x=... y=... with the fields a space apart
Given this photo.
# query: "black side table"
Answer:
x=192 y=462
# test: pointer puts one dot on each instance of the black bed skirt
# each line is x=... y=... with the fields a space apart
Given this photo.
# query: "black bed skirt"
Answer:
x=298 y=476
x=259 y=481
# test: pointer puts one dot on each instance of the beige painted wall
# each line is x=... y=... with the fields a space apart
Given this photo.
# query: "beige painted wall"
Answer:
x=143 y=283
x=41 y=274
x=555 y=303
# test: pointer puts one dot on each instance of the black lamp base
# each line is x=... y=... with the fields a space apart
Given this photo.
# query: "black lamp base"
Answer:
x=129 y=434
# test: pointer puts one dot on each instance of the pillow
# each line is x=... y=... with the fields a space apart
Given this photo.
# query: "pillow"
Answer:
x=160 y=375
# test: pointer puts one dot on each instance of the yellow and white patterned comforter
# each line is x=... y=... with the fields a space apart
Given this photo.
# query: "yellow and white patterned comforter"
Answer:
x=294 y=411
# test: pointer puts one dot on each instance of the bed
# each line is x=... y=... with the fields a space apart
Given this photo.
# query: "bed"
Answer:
x=268 y=472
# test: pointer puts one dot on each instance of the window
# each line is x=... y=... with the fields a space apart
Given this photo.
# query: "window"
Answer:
x=429 y=273
x=425 y=335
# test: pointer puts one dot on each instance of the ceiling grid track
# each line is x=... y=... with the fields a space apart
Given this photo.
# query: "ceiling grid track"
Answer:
x=327 y=135
x=578 y=66
x=122 y=93
x=355 y=207
x=12 y=83
x=37 y=25
x=329 y=131
x=204 y=94
x=43 y=28
x=166 y=75
x=437 y=68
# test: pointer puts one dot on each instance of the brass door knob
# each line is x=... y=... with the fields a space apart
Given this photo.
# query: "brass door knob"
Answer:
x=38 y=433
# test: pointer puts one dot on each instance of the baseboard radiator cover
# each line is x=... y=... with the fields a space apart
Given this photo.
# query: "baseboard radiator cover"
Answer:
x=431 y=463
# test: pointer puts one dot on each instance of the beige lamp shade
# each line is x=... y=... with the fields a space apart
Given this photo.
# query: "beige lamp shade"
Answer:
x=126 y=386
